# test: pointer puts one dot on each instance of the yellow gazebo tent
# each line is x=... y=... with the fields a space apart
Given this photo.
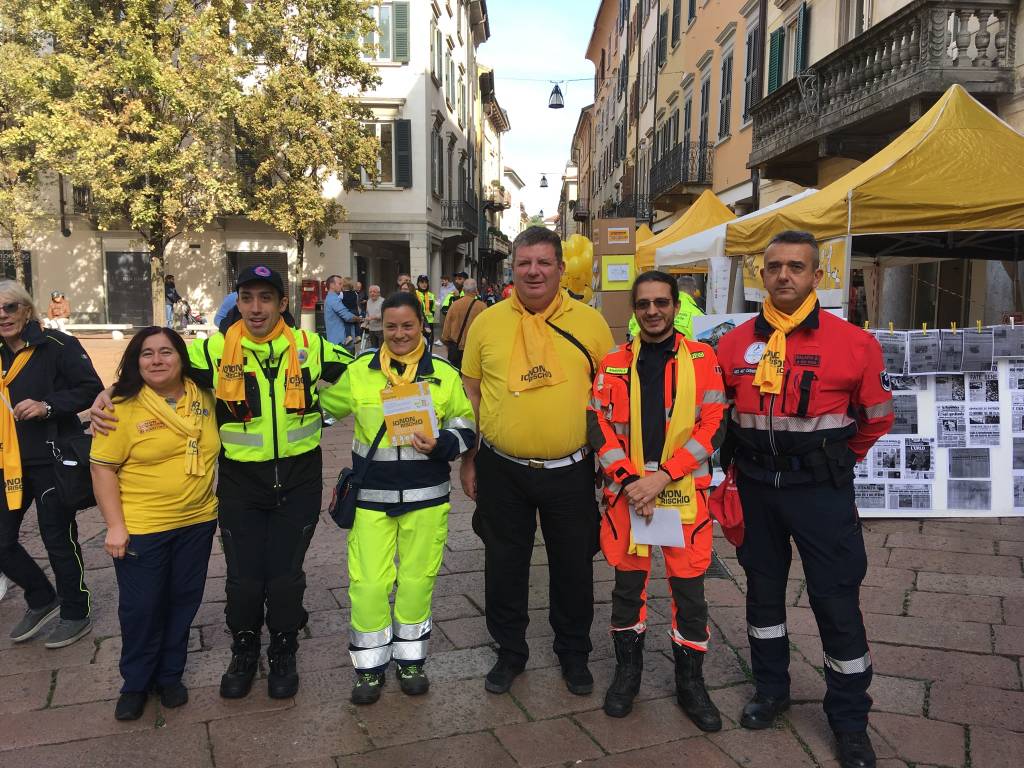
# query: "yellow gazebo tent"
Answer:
x=706 y=211
x=958 y=168
x=643 y=232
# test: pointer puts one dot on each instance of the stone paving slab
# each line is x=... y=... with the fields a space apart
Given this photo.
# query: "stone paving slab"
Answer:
x=943 y=602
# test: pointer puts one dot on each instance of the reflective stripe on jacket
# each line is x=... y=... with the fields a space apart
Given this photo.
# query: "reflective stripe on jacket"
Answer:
x=260 y=428
x=401 y=479
x=608 y=416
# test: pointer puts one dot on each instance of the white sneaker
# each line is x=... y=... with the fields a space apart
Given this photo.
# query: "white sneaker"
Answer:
x=5 y=584
x=438 y=344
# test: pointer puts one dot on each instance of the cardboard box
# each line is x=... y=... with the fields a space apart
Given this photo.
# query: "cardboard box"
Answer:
x=616 y=307
x=617 y=272
x=614 y=236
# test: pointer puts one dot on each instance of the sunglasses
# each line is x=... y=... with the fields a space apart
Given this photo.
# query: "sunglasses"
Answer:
x=644 y=304
x=10 y=307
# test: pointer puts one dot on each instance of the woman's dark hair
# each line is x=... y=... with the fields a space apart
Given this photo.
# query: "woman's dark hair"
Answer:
x=129 y=376
x=656 y=276
x=403 y=299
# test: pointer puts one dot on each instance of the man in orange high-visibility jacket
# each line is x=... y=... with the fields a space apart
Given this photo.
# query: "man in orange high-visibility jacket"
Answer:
x=656 y=416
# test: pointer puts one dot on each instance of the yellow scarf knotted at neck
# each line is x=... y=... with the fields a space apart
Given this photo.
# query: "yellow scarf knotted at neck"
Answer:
x=770 y=369
x=9 y=435
x=411 y=361
x=231 y=381
x=678 y=494
x=189 y=426
x=534 y=361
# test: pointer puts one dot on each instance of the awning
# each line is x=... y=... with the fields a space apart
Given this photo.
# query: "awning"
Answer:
x=706 y=211
x=958 y=168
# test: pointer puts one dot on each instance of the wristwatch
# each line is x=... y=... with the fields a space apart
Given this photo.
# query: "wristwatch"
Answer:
x=49 y=409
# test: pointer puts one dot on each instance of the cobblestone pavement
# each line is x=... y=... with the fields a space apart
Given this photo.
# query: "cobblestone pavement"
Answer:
x=943 y=600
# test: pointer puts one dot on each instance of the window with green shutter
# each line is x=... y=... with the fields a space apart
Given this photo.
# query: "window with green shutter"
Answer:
x=663 y=39
x=776 y=51
x=677 y=12
x=803 y=29
x=403 y=153
x=401 y=18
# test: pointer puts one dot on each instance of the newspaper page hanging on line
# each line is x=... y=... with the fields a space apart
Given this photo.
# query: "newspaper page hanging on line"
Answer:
x=1008 y=341
x=894 y=351
x=978 y=349
x=923 y=352
x=951 y=351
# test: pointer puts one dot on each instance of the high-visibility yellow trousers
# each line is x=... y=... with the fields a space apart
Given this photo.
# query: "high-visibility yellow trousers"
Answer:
x=418 y=538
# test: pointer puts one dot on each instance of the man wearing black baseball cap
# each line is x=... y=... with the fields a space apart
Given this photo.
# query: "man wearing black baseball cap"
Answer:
x=270 y=476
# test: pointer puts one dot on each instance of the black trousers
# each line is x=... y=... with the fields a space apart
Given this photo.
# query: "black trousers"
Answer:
x=265 y=544
x=59 y=532
x=160 y=585
x=509 y=497
x=823 y=521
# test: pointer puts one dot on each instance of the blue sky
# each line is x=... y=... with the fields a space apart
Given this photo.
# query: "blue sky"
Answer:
x=533 y=42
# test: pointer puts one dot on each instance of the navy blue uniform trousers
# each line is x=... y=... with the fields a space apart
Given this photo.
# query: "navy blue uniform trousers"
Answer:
x=823 y=521
x=161 y=582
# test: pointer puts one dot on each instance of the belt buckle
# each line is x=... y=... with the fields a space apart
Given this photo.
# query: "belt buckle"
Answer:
x=535 y=464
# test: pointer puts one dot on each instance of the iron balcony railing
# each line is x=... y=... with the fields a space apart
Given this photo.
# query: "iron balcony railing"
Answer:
x=688 y=163
x=461 y=214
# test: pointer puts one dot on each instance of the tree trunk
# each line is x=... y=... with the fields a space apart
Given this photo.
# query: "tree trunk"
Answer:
x=156 y=280
x=300 y=253
x=19 y=264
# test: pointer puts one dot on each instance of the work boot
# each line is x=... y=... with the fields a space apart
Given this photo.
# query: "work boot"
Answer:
x=283 y=680
x=855 y=750
x=505 y=670
x=412 y=679
x=690 y=691
x=367 y=687
x=761 y=711
x=629 y=669
x=245 y=658
x=576 y=674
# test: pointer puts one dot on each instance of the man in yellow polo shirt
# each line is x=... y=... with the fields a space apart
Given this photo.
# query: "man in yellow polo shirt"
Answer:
x=527 y=369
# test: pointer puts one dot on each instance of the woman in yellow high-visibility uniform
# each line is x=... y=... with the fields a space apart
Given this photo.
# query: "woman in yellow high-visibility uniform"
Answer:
x=403 y=502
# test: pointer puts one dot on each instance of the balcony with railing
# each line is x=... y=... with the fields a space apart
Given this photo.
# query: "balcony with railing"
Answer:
x=854 y=101
x=495 y=243
x=497 y=198
x=681 y=174
x=461 y=217
x=638 y=207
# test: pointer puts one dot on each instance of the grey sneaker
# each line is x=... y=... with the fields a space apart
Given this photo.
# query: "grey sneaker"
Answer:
x=68 y=631
x=33 y=621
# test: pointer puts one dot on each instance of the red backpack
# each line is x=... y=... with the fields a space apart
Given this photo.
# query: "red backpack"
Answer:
x=724 y=506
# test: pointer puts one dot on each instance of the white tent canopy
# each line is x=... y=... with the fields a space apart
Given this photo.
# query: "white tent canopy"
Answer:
x=711 y=242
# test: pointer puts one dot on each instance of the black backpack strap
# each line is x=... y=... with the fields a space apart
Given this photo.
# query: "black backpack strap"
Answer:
x=576 y=343
x=465 y=321
x=373 y=449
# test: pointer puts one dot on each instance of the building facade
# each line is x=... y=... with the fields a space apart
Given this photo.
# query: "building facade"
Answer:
x=439 y=125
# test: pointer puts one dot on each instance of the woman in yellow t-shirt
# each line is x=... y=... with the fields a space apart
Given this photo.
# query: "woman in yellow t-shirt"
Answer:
x=154 y=482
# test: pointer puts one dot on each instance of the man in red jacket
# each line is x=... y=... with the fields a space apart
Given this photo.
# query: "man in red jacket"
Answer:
x=655 y=418
x=810 y=396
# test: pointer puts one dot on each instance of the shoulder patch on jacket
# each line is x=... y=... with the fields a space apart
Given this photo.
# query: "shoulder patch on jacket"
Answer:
x=619 y=371
x=696 y=355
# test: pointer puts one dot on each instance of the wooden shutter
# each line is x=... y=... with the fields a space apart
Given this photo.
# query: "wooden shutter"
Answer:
x=401 y=21
x=403 y=153
x=677 y=12
x=776 y=50
x=803 y=29
x=663 y=39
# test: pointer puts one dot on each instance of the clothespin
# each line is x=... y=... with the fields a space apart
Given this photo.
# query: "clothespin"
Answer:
x=866 y=324
x=891 y=326
x=979 y=326
x=924 y=326
x=952 y=327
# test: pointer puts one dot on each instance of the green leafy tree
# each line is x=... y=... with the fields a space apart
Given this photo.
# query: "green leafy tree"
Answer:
x=142 y=93
x=300 y=126
x=22 y=93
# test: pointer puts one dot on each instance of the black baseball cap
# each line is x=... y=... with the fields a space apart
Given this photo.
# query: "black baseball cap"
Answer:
x=262 y=274
x=463 y=275
x=422 y=279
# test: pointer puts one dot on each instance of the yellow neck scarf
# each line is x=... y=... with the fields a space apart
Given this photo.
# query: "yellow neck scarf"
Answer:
x=9 y=434
x=410 y=359
x=231 y=381
x=189 y=427
x=769 y=371
x=534 y=362
x=680 y=494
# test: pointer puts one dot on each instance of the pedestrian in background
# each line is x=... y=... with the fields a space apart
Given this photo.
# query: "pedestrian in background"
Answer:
x=428 y=301
x=459 y=281
x=153 y=479
x=459 y=319
x=171 y=297
x=225 y=307
x=403 y=501
x=811 y=397
x=338 y=318
x=58 y=313
x=373 y=323
x=47 y=380
x=655 y=419
x=528 y=367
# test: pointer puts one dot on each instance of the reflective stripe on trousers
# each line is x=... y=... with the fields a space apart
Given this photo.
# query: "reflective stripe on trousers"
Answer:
x=766 y=633
x=850 y=666
x=369 y=650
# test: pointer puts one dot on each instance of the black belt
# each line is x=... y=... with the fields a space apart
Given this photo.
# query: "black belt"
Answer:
x=831 y=454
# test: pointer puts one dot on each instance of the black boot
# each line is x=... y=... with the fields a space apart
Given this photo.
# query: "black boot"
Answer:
x=629 y=668
x=855 y=750
x=245 y=658
x=283 y=680
x=690 y=691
